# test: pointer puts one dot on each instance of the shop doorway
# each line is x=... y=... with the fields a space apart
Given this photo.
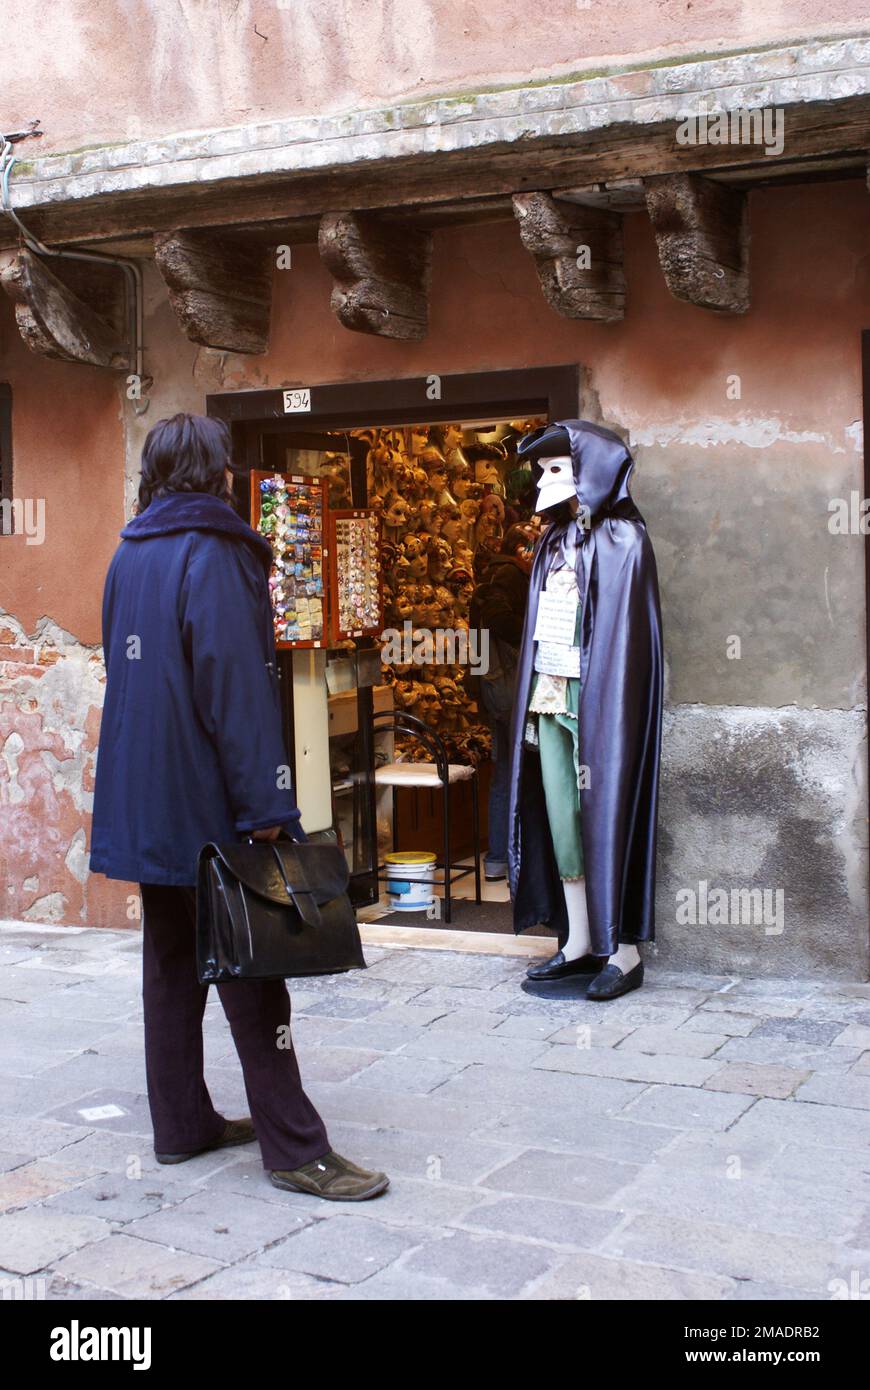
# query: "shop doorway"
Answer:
x=435 y=458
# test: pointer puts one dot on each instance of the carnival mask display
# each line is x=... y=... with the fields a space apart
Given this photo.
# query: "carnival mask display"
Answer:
x=396 y=514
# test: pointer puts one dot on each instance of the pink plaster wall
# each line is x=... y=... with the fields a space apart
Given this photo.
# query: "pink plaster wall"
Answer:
x=797 y=350
x=68 y=450
x=168 y=66
x=662 y=371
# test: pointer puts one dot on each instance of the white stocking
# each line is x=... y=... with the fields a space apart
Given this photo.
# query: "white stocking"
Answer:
x=627 y=957
x=578 y=943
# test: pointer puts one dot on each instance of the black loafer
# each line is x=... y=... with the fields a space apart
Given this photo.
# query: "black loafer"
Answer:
x=610 y=982
x=557 y=967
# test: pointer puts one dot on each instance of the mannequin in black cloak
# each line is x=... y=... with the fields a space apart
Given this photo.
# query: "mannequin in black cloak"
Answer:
x=586 y=731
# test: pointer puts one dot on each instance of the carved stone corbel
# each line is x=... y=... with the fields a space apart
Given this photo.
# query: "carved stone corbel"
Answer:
x=578 y=254
x=381 y=274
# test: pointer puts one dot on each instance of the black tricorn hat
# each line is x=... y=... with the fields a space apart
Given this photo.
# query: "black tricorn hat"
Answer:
x=549 y=441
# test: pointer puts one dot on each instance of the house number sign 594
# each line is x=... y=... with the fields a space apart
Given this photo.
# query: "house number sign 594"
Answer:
x=297 y=400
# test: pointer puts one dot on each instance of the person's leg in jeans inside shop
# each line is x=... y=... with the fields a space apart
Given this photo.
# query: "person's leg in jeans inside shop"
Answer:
x=495 y=859
x=191 y=750
x=499 y=608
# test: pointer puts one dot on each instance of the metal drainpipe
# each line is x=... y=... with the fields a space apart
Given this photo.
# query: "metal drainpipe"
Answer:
x=132 y=271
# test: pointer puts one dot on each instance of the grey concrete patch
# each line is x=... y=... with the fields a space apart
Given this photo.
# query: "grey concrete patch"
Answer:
x=432 y=1158
x=505 y=1089
x=852 y=1091
x=101 y=1105
x=547 y=1222
x=781 y=1052
x=37 y=1137
x=575 y=1131
x=435 y=1113
x=251 y=1281
x=598 y=1279
x=718 y=1153
x=30 y=1240
x=586 y=1179
x=401 y=1072
x=539 y=1026
x=462 y=1047
x=744 y=1201
x=112 y=1198
x=373 y=1035
x=686 y=1107
x=337 y=1063
x=754 y=1079
x=796 y=1122
x=735 y=1251
x=495 y=1267
x=134 y=1268
x=221 y=1226
x=346 y=1007
x=801 y=1030
x=766 y=799
x=344 y=1248
x=630 y=1066
x=672 y=1042
x=733 y=1025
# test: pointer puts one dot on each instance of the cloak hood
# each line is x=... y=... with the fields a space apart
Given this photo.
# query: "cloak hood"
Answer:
x=195 y=511
x=602 y=464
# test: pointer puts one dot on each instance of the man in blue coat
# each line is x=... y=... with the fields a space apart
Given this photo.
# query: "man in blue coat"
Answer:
x=191 y=750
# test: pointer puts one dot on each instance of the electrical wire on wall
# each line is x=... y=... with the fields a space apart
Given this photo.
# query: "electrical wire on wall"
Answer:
x=131 y=271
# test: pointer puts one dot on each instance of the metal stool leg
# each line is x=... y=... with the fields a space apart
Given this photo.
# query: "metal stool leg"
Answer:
x=447 y=864
x=475 y=819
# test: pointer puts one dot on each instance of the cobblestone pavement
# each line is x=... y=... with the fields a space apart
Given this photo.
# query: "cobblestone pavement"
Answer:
x=705 y=1138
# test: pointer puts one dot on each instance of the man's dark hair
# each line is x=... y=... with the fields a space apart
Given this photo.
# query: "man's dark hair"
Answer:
x=185 y=453
x=514 y=537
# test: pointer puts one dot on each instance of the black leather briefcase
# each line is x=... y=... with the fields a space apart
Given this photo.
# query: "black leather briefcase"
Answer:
x=270 y=910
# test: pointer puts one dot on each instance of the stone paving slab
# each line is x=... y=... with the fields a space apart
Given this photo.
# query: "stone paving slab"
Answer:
x=705 y=1138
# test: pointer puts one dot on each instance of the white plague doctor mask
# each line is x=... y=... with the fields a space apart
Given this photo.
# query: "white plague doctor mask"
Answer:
x=556 y=483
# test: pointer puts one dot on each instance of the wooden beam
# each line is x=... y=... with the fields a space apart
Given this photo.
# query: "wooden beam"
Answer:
x=816 y=130
x=54 y=320
x=617 y=195
x=381 y=274
x=702 y=234
x=578 y=254
x=220 y=288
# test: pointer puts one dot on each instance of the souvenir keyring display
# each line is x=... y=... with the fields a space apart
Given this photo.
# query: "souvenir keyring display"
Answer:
x=290 y=511
x=355 y=567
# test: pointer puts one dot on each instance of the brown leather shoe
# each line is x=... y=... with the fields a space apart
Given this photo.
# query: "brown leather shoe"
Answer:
x=235 y=1132
x=334 y=1178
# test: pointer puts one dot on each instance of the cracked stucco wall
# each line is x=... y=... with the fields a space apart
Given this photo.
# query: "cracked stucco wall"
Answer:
x=51 y=689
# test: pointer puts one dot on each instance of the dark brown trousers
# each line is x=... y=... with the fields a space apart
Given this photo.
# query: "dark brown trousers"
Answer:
x=288 y=1127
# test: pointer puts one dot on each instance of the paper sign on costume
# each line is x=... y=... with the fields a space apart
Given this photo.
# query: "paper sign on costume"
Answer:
x=555 y=659
x=557 y=618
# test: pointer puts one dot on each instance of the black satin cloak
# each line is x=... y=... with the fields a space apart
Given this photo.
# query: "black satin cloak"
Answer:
x=620 y=713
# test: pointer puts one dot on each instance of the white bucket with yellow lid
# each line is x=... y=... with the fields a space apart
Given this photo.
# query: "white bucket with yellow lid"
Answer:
x=411 y=890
